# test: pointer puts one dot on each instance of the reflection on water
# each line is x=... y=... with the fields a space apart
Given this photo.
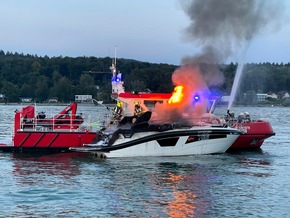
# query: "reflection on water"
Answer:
x=39 y=182
x=26 y=166
x=183 y=188
x=183 y=204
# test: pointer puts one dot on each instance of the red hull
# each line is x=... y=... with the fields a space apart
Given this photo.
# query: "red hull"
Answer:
x=55 y=134
x=52 y=139
x=255 y=134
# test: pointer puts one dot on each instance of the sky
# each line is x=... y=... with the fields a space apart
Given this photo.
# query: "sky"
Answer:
x=150 y=31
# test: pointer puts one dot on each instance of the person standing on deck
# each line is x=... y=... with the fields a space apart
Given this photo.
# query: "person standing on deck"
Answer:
x=138 y=109
x=118 y=111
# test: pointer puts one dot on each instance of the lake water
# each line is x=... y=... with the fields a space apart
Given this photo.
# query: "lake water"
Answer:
x=244 y=184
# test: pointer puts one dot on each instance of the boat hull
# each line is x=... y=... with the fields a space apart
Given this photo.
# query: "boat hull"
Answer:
x=254 y=136
x=38 y=133
x=194 y=141
x=50 y=140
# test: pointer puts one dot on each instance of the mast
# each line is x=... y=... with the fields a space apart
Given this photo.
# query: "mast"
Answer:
x=113 y=67
x=117 y=83
x=115 y=57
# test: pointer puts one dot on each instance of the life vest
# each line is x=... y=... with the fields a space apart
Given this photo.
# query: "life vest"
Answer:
x=138 y=110
x=118 y=111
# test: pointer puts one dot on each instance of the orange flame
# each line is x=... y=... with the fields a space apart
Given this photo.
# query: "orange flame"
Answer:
x=177 y=95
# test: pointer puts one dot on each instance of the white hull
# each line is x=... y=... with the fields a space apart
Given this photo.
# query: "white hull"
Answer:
x=177 y=142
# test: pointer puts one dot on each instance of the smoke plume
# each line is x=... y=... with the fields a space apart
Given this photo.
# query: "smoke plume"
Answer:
x=220 y=28
x=223 y=27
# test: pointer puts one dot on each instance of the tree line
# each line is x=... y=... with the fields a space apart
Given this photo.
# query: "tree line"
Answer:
x=42 y=78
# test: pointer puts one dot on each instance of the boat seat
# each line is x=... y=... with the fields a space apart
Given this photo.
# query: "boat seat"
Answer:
x=126 y=120
x=142 y=121
x=127 y=131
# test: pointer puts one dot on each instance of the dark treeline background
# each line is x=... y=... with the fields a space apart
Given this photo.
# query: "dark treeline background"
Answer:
x=41 y=78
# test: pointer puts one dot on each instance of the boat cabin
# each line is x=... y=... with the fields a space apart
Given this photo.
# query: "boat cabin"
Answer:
x=146 y=100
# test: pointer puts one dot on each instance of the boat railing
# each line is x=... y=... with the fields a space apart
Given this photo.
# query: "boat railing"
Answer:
x=66 y=123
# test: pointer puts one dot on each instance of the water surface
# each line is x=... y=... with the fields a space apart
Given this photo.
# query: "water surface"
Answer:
x=242 y=184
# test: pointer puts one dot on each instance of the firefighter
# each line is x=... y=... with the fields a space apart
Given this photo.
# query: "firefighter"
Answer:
x=138 y=109
x=118 y=111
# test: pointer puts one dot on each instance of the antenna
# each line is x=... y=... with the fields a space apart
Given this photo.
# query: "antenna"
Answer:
x=113 y=68
x=115 y=56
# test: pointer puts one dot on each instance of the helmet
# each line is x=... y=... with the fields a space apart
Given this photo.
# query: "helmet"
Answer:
x=136 y=102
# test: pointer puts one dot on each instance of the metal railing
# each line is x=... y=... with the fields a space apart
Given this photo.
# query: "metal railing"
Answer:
x=67 y=123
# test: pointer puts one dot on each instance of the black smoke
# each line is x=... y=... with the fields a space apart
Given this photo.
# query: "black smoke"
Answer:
x=222 y=27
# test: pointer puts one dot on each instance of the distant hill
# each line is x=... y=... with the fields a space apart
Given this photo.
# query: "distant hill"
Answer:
x=41 y=78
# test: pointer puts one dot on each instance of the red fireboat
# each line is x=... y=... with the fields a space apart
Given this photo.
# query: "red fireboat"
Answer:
x=38 y=133
x=255 y=131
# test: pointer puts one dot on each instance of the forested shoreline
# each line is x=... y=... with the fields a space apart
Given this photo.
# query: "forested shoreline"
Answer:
x=42 y=78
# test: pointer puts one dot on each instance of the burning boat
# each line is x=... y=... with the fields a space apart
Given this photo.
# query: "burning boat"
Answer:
x=37 y=133
x=147 y=134
x=142 y=138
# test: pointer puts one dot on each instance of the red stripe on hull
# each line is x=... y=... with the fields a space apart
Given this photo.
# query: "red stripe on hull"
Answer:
x=55 y=139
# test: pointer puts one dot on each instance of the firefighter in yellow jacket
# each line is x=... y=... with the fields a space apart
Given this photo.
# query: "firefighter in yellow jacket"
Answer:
x=138 y=109
x=118 y=111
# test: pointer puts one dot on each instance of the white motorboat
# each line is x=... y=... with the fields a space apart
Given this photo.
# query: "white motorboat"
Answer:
x=143 y=139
